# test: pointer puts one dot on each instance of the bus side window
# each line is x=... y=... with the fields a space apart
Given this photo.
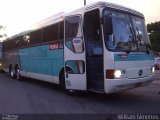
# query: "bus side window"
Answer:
x=36 y=37
x=61 y=30
x=17 y=42
x=50 y=33
x=26 y=40
x=77 y=66
x=72 y=25
x=73 y=36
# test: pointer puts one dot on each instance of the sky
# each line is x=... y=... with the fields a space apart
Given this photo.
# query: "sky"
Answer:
x=18 y=15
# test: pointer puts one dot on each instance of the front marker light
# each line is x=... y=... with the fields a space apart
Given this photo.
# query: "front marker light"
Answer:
x=153 y=70
x=110 y=74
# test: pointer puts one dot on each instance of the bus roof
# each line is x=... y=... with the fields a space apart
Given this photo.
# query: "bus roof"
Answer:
x=104 y=4
x=60 y=16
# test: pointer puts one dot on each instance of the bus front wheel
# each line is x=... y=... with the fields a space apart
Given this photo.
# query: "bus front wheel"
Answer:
x=62 y=80
x=62 y=77
x=17 y=74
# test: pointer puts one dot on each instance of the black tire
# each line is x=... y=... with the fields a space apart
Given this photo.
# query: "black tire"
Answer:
x=17 y=73
x=62 y=77
x=11 y=72
x=62 y=80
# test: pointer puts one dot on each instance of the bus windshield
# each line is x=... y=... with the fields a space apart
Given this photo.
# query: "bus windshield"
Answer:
x=124 y=32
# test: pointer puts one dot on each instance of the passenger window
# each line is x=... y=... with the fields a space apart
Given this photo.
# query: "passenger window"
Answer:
x=71 y=27
x=50 y=33
x=61 y=30
x=26 y=40
x=73 y=40
x=77 y=66
x=36 y=37
x=17 y=42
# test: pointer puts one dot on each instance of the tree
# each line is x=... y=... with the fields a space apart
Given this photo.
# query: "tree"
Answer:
x=154 y=35
x=2 y=34
x=153 y=27
x=1 y=27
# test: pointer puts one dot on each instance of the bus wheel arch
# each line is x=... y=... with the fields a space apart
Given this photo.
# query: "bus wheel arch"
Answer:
x=17 y=72
x=16 y=66
x=62 y=76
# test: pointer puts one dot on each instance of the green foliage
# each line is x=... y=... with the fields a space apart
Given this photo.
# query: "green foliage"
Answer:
x=154 y=30
x=155 y=41
x=153 y=27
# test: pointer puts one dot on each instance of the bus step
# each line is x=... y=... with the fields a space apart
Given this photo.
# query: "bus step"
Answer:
x=95 y=90
x=97 y=85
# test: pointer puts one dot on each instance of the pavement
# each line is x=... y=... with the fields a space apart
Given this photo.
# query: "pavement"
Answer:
x=36 y=97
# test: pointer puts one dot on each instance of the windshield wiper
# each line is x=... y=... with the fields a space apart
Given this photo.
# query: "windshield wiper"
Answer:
x=148 y=47
x=139 y=37
x=132 y=36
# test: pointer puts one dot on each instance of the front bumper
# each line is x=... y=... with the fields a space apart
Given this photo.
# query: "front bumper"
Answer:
x=116 y=85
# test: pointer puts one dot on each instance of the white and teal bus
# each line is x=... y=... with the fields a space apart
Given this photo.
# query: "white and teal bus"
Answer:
x=101 y=47
x=0 y=56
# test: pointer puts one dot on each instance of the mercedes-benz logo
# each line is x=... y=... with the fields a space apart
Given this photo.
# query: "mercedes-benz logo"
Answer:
x=140 y=73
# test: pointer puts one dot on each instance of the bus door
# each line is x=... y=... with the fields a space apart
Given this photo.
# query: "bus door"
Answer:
x=74 y=54
x=94 y=50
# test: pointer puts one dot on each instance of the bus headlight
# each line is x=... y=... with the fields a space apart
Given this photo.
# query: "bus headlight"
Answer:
x=0 y=64
x=153 y=70
x=115 y=74
x=119 y=73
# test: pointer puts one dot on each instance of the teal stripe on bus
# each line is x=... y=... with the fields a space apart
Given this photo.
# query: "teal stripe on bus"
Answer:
x=41 y=60
x=134 y=57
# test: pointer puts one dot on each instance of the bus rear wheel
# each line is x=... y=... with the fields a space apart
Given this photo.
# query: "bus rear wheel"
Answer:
x=11 y=73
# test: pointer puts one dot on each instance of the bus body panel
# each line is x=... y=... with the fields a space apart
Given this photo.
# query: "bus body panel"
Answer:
x=40 y=62
x=42 y=77
x=117 y=85
x=10 y=58
x=132 y=65
x=0 y=55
